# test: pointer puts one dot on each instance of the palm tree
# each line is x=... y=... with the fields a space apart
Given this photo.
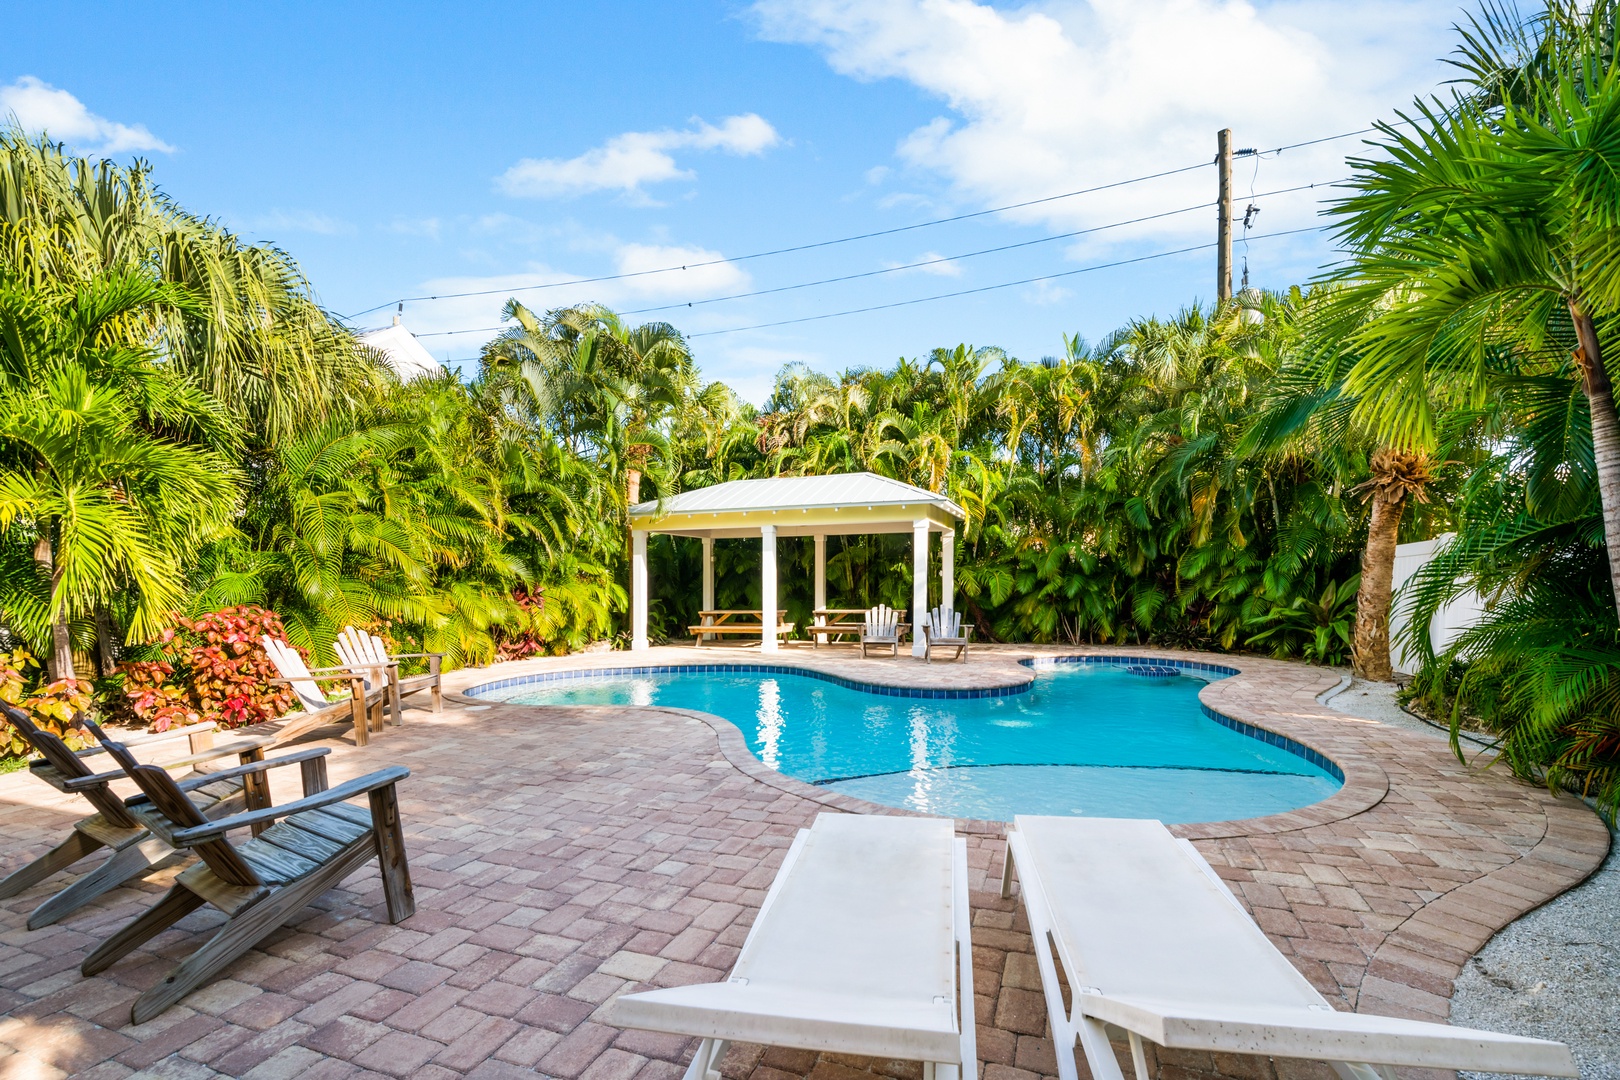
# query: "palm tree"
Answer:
x=242 y=320
x=1489 y=225
x=114 y=507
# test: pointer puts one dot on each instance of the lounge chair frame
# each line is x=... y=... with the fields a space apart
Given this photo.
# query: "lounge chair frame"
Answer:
x=830 y=1035
x=1266 y=1031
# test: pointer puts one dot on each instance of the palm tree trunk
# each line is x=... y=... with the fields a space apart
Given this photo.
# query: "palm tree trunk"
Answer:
x=1605 y=435
x=61 y=659
x=1371 y=653
x=106 y=643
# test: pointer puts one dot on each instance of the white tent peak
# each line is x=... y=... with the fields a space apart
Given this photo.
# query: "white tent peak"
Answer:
x=402 y=352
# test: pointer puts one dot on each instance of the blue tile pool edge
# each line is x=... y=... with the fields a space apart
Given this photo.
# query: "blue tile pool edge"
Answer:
x=766 y=669
x=1270 y=738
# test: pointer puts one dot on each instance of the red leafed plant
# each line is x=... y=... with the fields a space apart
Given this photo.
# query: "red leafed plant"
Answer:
x=51 y=707
x=214 y=667
x=521 y=646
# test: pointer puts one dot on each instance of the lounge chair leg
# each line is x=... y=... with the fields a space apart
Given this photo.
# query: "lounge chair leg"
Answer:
x=1006 y=873
x=706 y=1062
x=176 y=904
x=1138 y=1058
x=60 y=857
x=132 y=861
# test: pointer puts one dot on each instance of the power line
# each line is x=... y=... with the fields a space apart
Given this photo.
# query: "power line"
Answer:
x=843 y=239
x=992 y=288
x=965 y=255
x=941 y=296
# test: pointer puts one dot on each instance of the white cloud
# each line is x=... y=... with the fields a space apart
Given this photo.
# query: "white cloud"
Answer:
x=933 y=263
x=628 y=161
x=40 y=107
x=703 y=273
x=1069 y=94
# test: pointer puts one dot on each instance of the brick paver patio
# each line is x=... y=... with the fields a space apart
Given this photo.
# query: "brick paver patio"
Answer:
x=562 y=856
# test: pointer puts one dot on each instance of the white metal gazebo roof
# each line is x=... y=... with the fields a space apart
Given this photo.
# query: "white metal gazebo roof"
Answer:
x=836 y=505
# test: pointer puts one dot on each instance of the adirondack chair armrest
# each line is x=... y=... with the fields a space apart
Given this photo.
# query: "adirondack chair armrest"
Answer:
x=417 y=656
x=350 y=677
x=153 y=738
x=255 y=742
x=342 y=793
x=241 y=770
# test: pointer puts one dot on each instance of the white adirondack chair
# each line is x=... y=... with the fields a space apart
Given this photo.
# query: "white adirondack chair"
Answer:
x=318 y=711
x=943 y=629
x=882 y=627
x=367 y=652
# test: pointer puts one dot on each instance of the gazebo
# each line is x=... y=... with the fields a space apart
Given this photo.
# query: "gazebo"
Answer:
x=818 y=506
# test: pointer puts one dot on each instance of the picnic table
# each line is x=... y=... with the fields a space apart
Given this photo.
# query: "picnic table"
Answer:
x=737 y=621
x=835 y=621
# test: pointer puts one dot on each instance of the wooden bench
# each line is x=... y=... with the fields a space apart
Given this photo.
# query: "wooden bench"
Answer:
x=720 y=622
x=835 y=622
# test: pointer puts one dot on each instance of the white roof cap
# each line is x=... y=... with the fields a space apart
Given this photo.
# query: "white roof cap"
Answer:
x=402 y=351
x=799 y=493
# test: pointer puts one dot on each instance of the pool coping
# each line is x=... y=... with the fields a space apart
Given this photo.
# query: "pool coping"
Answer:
x=1363 y=783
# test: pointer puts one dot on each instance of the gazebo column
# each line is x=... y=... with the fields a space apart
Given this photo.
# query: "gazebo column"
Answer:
x=919 y=583
x=821 y=576
x=638 y=591
x=767 y=587
x=947 y=569
x=708 y=573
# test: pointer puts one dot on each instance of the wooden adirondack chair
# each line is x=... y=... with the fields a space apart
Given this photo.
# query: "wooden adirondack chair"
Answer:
x=364 y=707
x=261 y=883
x=134 y=850
x=944 y=629
x=361 y=650
x=882 y=627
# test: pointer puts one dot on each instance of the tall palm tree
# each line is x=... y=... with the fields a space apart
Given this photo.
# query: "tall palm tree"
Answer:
x=1490 y=223
x=249 y=333
x=115 y=509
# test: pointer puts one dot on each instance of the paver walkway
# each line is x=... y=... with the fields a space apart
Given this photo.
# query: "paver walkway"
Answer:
x=562 y=856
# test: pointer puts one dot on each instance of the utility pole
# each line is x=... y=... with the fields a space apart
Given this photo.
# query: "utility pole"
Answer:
x=1223 y=239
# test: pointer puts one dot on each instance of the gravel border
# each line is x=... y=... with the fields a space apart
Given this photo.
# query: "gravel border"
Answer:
x=1552 y=974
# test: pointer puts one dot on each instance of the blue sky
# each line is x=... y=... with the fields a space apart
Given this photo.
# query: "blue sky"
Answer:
x=427 y=149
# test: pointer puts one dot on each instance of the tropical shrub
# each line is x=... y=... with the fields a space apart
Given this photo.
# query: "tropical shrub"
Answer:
x=52 y=706
x=213 y=667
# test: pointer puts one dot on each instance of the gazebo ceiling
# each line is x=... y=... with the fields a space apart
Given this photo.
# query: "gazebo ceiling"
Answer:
x=843 y=504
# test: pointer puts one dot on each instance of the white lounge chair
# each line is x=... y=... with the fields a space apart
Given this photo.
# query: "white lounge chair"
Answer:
x=861 y=947
x=1152 y=941
x=360 y=650
x=882 y=627
x=364 y=701
x=943 y=629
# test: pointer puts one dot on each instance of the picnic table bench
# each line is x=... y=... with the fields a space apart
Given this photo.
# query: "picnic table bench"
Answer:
x=720 y=622
x=831 y=622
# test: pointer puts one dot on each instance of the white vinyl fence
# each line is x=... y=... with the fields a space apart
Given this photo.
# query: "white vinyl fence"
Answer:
x=1448 y=623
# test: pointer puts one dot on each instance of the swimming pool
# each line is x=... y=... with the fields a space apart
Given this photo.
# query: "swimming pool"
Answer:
x=1089 y=739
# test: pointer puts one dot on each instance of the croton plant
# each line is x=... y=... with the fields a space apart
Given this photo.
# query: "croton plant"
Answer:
x=213 y=667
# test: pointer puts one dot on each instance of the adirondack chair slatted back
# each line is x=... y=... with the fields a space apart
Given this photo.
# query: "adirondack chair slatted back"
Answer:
x=882 y=621
x=70 y=766
x=167 y=798
x=292 y=668
x=355 y=649
x=945 y=623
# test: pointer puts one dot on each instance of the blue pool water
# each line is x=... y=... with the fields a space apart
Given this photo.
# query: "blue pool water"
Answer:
x=1087 y=739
